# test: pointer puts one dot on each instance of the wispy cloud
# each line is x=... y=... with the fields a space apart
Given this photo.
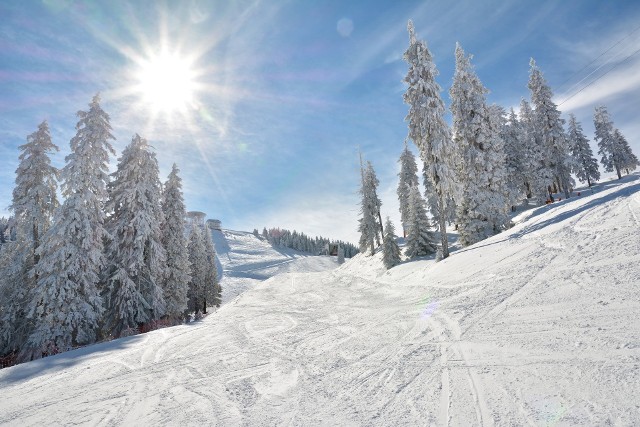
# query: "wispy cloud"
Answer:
x=622 y=81
x=605 y=67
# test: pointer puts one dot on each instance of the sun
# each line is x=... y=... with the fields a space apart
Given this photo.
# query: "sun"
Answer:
x=166 y=82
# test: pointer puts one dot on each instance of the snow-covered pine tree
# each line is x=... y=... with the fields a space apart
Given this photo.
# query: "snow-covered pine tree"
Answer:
x=420 y=239
x=427 y=127
x=175 y=244
x=501 y=200
x=34 y=196
x=537 y=173
x=9 y=226
x=213 y=291
x=608 y=146
x=15 y=296
x=67 y=306
x=587 y=169
x=369 y=226
x=4 y=227
x=515 y=154
x=408 y=177
x=390 y=249
x=550 y=131
x=629 y=160
x=431 y=197
x=34 y=202
x=137 y=259
x=482 y=202
x=374 y=201
x=199 y=268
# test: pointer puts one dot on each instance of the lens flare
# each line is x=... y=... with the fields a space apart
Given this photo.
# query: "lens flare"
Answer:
x=345 y=27
x=166 y=82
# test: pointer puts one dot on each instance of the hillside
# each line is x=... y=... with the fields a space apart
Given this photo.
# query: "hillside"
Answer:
x=244 y=260
x=536 y=326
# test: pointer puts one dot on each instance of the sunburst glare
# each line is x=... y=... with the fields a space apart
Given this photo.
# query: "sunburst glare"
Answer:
x=166 y=82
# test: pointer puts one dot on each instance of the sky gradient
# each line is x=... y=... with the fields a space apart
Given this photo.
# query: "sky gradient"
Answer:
x=287 y=91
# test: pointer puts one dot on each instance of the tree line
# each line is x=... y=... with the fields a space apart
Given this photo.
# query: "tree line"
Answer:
x=278 y=237
x=485 y=164
x=111 y=259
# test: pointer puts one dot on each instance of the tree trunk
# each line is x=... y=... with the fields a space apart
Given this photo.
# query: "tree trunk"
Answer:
x=618 y=172
x=36 y=243
x=588 y=181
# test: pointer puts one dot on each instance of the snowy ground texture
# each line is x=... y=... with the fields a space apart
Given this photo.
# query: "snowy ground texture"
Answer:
x=536 y=326
x=245 y=260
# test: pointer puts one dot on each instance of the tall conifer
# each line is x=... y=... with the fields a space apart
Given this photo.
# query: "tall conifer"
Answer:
x=427 y=127
x=67 y=305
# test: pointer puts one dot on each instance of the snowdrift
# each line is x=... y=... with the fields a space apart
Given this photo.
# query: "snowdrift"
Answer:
x=536 y=326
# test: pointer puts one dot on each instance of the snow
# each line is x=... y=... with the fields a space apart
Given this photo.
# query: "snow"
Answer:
x=535 y=326
x=244 y=260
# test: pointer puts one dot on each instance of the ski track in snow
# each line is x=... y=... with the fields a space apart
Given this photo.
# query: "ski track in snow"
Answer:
x=536 y=326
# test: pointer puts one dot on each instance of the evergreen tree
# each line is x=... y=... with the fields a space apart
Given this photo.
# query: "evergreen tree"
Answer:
x=500 y=200
x=137 y=259
x=370 y=208
x=175 y=244
x=427 y=127
x=15 y=295
x=390 y=249
x=537 y=173
x=408 y=178
x=628 y=161
x=608 y=145
x=587 y=169
x=199 y=269
x=34 y=196
x=483 y=197
x=431 y=197
x=514 y=159
x=212 y=291
x=550 y=131
x=4 y=227
x=34 y=202
x=420 y=238
x=67 y=306
x=375 y=203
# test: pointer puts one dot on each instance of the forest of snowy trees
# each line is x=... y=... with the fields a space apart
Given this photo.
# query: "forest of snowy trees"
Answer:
x=485 y=164
x=110 y=259
x=278 y=237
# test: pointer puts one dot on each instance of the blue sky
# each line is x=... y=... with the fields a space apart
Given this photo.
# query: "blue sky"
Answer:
x=286 y=91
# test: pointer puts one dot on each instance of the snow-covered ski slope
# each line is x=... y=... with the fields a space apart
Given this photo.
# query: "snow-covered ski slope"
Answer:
x=536 y=326
x=244 y=260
